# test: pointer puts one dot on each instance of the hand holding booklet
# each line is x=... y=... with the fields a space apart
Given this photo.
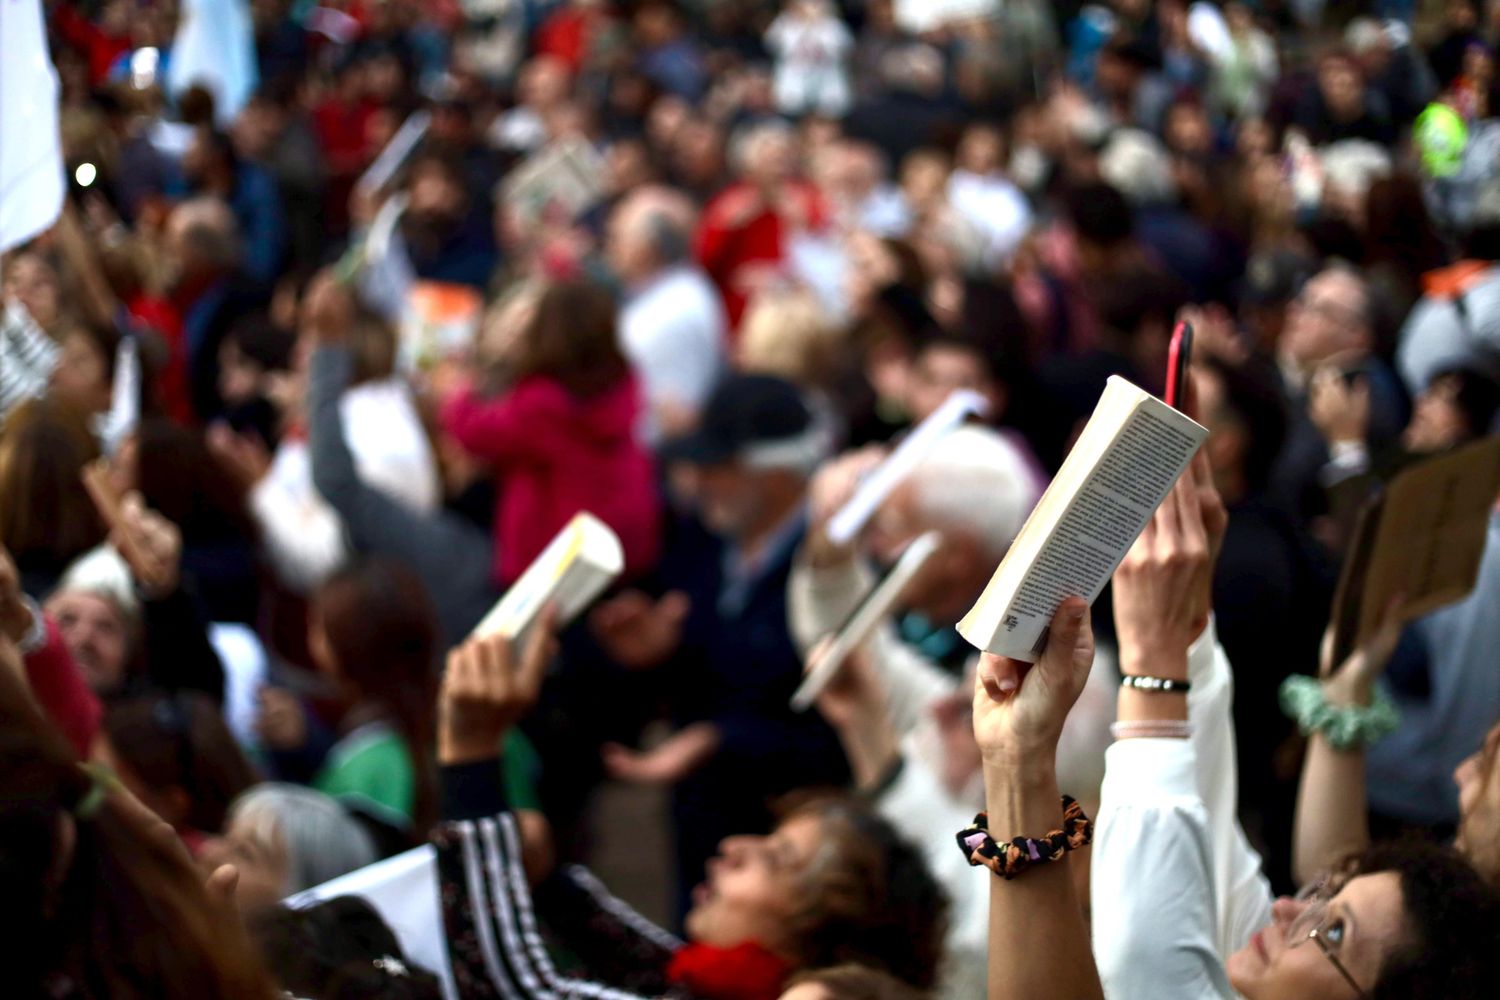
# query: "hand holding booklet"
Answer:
x=874 y=609
x=1129 y=455
x=577 y=566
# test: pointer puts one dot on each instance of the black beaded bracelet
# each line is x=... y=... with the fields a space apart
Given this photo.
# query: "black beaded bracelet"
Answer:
x=1160 y=685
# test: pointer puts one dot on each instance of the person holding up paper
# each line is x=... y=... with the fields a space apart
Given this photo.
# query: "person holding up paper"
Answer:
x=899 y=705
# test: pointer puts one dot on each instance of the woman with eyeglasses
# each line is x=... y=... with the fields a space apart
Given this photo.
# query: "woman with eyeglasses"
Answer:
x=1179 y=907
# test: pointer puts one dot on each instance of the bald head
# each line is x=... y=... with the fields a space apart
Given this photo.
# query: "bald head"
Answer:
x=203 y=237
x=650 y=229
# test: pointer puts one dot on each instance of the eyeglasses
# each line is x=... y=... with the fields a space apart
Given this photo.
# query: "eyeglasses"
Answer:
x=1314 y=924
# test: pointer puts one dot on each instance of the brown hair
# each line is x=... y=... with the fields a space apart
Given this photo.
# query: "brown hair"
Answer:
x=101 y=907
x=372 y=346
x=383 y=632
x=179 y=740
x=46 y=516
x=869 y=898
x=858 y=982
x=181 y=480
x=573 y=340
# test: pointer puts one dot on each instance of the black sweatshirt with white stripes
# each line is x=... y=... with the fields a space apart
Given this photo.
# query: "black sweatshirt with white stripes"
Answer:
x=494 y=920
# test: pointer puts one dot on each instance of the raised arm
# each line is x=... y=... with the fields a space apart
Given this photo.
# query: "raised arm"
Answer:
x=1331 y=819
x=487 y=863
x=1158 y=838
x=1019 y=710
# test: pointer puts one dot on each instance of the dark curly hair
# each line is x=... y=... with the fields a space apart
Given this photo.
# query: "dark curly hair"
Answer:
x=870 y=899
x=1452 y=924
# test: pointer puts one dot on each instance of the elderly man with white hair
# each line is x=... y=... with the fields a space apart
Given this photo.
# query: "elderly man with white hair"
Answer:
x=672 y=324
x=901 y=705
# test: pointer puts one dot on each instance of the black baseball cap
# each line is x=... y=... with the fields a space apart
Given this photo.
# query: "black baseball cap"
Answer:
x=742 y=411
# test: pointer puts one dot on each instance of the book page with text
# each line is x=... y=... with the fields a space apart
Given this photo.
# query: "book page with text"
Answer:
x=1102 y=520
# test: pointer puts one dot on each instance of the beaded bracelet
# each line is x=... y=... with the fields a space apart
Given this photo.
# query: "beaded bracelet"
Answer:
x=1156 y=685
x=1016 y=856
x=1348 y=727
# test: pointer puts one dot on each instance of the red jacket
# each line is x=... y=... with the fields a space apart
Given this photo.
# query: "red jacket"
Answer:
x=556 y=455
x=737 y=252
x=59 y=688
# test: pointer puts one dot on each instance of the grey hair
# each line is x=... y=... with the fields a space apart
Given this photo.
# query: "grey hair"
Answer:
x=975 y=482
x=744 y=140
x=210 y=229
x=1137 y=166
x=670 y=241
x=322 y=841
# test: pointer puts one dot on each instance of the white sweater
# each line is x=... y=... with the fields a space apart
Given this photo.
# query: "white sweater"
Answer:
x=1176 y=887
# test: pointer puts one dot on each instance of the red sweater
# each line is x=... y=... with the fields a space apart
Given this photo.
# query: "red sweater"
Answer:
x=59 y=688
x=736 y=256
x=556 y=455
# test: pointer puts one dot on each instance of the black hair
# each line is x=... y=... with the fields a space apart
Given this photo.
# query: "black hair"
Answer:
x=1452 y=919
x=1142 y=295
x=1099 y=213
x=1478 y=397
x=264 y=342
x=339 y=949
x=1252 y=395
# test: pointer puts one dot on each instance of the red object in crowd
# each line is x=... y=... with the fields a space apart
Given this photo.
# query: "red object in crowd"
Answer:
x=101 y=49
x=738 y=248
x=59 y=688
x=744 y=972
x=569 y=34
x=556 y=455
x=172 y=384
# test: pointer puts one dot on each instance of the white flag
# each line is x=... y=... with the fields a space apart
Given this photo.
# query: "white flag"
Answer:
x=31 y=164
x=214 y=48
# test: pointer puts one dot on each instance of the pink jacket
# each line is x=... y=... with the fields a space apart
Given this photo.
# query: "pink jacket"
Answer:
x=555 y=455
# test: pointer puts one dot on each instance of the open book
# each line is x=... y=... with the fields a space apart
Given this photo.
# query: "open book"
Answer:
x=1420 y=539
x=575 y=567
x=1125 y=462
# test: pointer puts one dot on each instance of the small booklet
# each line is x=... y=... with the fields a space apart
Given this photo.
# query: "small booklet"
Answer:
x=1421 y=538
x=1125 y=462
x=872 y=610
x=575 y=568
x=884 y=478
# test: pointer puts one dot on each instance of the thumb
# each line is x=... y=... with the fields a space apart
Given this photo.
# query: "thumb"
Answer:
x=1000 y=676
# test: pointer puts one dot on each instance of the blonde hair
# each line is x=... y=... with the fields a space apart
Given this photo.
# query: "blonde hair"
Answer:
x=788 y=334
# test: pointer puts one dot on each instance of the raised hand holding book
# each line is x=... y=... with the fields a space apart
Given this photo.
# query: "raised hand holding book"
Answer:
x=577 y=566
x=1132 y=450
x=874 y=609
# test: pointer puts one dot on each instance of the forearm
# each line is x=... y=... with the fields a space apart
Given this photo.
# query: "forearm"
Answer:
x=1331 y=809
x=870 y=744
x=1331 y=819
x=1041 y=903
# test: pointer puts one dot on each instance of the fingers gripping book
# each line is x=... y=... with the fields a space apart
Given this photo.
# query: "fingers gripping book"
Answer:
x=1130 y=453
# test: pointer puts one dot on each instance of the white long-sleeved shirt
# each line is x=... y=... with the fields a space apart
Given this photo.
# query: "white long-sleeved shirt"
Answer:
x=302 y=534
x=1176 y=887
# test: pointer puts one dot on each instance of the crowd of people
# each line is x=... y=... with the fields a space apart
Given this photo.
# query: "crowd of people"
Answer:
x=310 y=369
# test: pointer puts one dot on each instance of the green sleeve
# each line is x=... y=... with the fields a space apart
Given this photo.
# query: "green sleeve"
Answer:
x=521 y=767
x=379 y=771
